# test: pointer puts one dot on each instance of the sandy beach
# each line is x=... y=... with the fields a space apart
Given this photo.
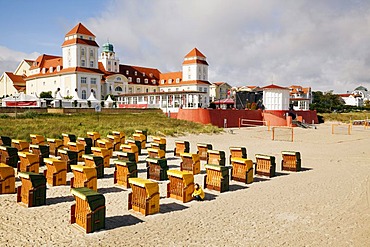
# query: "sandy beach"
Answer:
x=326 y=204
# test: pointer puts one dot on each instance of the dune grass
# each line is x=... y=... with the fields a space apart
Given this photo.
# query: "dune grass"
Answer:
x=346 y=117
x=53 y=125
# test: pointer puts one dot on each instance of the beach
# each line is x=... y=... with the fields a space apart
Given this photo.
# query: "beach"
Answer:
x=326 y=204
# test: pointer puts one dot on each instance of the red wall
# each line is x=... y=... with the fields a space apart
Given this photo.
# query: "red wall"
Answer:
x=216 y=116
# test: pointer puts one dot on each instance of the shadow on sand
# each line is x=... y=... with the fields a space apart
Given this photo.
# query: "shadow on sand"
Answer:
x=120 y=221
x=171 y=207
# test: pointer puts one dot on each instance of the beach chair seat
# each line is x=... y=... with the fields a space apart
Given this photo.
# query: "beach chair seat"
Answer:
x=202 y=150
x=181 y=147
x=120 y=135
x=291 y=161
x=115 y=140
x=86 y=142
x=124 y=169
x=29 y=162
x=216 y=157
x=5 y=141
x=41 y=150
x=129 y=156
x=56 y=172
x=181 y=185
x=134 y=143
x=161 y=141
x=7 y=179
x=140 y=140
x=96 y=162
x=84 y=176
x=94 y=137
x=157 y=169
x=143 y=132
x=242 y=170
x=102 y=152
x=21 y=145
x=131 y=149
x=37 y=139
x=144 y=197
x=78 y=148
x=156 y=153
x=54 y=145
x=9 y=156
x=217 y=178
x=190 y=163
x=68 y=138
x=238 y=152
x=265 y=165
x=89 y=210
x=32 y=192
x=69 y=156
x=105 y=143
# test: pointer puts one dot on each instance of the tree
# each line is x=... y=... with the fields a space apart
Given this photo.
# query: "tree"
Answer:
x=46 y=95
x=326 y=102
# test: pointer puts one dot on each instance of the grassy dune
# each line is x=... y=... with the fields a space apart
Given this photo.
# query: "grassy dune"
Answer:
x=53 y=125
x=346 y=117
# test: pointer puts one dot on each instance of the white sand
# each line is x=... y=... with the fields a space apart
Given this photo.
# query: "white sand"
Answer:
x=326 y=205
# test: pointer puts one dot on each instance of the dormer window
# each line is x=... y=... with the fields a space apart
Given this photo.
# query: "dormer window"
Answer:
x=130 y=79
x=162 y=81
x=90 y=38
x=151 y=75
x=154 y=81
x=51 y=70
x=146 y=81
x=177 y=80
x=138 y=80
x=143 y=73
x=170 y=81
x=58 y=68
x=135 y=72
x=127 y=72
x=43 y=70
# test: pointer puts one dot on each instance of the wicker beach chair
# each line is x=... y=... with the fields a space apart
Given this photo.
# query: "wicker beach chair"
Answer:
x=69 y=156
x=7 y=179
x=190 y=163
x=84 y=176
x=124 y=170
x=21 y=145
x=54 y=145
x=181 y=185
x=216 y=157
x=238 y=152
x=291 y=161
x=157 y=169
x=144 y=197
x=96 y=162
x=181 y=147
x=217 y=178
x=32 y=192
x=9 y=156
x=29 y=162
x=265 y=165
x=156 y=153
x=161 y=141
x=102 y=152
x=242 y=170
x=202 y=150
x=56 y=172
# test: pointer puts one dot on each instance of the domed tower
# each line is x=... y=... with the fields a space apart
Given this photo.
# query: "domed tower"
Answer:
x=108 y=58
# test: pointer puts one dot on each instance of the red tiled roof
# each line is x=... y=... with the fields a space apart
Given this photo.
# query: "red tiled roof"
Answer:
x=39 y=62
x=16 y=79
x=195 y=53
x=141 y=72
x=80 y=41
x=80 y=29
x=195 y=61
x=272 y=86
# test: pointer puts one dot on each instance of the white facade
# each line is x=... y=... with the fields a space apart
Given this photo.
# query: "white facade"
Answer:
x=276 y=98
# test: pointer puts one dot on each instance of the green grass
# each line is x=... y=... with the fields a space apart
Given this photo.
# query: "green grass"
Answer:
x=53 y=125
x=345 y=117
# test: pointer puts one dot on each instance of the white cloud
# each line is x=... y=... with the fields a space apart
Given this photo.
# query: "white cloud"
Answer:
x=10 y=59
x=323 y=44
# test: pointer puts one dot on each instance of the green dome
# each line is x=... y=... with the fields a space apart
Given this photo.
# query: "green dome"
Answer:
x=107 y=47
x=360 y=88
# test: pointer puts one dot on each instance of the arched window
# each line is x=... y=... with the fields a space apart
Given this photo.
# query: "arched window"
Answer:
x=83 y=94
x=118 y=89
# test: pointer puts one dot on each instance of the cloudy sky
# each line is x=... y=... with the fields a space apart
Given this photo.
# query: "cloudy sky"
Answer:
x=322 y=44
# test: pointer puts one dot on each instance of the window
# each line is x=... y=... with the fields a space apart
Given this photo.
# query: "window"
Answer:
x=177 y=80
x=118 y=89
x=129 y=79
x=83 y=80
x=146 y=81
x=127 y=72
x=138 y=90
x=138 y=80
x=170 y=81
x=118 y=78
x=55 y=82
x=143 y=73
x=151 y=74
x=93 y=80
x=51 y=69
x=130 y=89
x=162 y=81
x=115 y=63
x=83 y=62
x=108 y=62
x=135 y=72
x=189 y=77
x=147 y=90
x=91 y=64
x=58 y=68
x=43 y=83
x=205 y=89
x=81 y=36
x=82 y=52
x=83 y=94
x=154 y=81
x=91 y=53
x=154 y=90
